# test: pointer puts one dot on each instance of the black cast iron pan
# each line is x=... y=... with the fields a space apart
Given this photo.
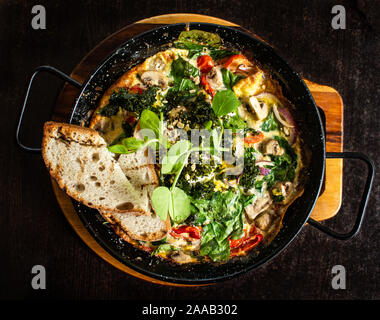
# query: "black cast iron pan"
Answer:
x=307 y=115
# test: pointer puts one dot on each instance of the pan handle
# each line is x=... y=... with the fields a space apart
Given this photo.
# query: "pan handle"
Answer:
x=364 y=200
x=55 y=72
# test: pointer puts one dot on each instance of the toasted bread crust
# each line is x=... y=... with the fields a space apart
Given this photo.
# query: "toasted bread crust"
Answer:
x=129 y=236
x=70 y=133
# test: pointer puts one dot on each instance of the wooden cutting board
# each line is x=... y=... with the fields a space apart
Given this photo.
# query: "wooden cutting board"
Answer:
x=327 y=98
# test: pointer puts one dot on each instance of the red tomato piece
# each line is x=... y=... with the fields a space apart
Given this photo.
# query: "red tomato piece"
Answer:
x=136 y=89
x=131 y=119
x=194 y=232
x=238 y=242
x=206 y=85
x=237 y=61
x=246 y=243
x=253 y=242
x=252 y=139
x=205 y=63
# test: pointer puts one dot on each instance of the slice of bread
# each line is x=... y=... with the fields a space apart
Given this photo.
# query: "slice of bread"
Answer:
x=138 y=226
x=80 y=162
x=78 y=159
x=137 y=159
x=137 y=167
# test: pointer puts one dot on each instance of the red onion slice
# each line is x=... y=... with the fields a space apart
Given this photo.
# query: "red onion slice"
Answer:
x=283 y=116
x=264 y=171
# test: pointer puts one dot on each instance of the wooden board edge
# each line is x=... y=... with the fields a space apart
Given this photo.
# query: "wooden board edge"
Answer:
x=185 y=17
x=66 y=203
x=330 y=201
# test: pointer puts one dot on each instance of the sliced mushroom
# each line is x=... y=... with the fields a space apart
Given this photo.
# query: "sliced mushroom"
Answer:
x=245 y=70
x=154 y=78
x=282 y=189
x=272 y=147
x=260 y=109
x=157 y=64
x=263 y=221
x=215 y=78
x=181 y=257
x=258 y=206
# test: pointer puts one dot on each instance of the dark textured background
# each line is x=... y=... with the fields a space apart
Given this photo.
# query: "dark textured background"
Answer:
x=33 y=229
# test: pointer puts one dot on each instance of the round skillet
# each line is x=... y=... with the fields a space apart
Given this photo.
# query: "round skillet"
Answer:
x=307 y=116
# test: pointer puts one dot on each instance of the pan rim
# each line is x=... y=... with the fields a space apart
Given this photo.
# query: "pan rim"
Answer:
x=298 y=227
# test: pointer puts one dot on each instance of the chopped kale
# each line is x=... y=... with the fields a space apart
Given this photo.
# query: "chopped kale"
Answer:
x=198 y=110
x=133 y=102
x=251 y=171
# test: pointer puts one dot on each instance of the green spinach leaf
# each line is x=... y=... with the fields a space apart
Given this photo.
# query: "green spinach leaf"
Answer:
x=235 y=123
x=270 y=123
x=230 y=79
x=217 y=54
x=181 y=68
x=164 y=248
x=225 y=213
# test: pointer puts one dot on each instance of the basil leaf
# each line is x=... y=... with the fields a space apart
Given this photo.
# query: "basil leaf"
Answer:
x=118 y=148
x=150 y=120
x=176 y=157
x=224 y=102
x=162 y=202
x=132 y=143
x=180 y=210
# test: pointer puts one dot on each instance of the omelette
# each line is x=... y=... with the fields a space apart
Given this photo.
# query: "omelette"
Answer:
x=227 y=194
